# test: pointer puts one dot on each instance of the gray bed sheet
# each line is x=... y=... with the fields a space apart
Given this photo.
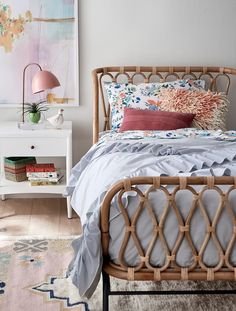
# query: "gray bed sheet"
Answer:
x=107 y=163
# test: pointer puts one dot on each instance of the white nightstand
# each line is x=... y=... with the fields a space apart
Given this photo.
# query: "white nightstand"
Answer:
x=48 y=142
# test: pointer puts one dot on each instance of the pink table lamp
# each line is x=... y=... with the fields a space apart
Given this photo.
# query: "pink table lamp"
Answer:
x=42 y=81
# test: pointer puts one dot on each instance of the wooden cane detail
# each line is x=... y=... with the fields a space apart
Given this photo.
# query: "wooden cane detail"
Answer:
x=210 y=182
x=210 y=274
x=157 y=275
x=184 y=233
x=131 y=274
x=184 y=274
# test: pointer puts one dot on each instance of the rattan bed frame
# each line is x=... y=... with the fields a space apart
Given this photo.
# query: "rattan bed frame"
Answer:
x=170 y=269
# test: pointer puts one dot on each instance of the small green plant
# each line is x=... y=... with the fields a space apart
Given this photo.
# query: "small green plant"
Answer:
x=34 y=110
x=35 y=107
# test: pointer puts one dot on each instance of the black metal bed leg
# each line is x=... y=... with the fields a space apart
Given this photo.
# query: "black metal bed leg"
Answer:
x=106 y=291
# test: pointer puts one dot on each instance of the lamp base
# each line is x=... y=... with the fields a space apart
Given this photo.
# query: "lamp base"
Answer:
x=28 y=126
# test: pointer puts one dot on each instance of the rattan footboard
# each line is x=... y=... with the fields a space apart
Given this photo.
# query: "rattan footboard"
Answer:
x=170 y=270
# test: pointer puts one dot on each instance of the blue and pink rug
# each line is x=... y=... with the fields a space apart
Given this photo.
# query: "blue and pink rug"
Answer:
x=32 y=277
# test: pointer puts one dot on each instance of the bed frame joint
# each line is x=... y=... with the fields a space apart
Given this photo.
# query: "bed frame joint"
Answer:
x=210 y=274
x=184 y=274
x=211 y=229
x=156 y=182
x=184 y=228
x=127 y=184
x=130 y=274
x=183 y=183
x=170 y=257
x=210 y=182
x=130 y=228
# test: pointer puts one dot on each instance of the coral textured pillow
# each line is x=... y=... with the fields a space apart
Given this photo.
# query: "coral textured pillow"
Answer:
x=136 y=119
x=210 y=108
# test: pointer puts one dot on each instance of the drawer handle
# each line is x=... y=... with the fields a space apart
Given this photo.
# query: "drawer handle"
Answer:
x=32 y=147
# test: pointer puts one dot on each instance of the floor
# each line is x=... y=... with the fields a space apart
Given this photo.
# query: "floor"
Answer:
x=37 y=217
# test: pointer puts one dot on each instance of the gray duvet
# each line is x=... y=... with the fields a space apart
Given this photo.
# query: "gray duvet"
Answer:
x=107 y=163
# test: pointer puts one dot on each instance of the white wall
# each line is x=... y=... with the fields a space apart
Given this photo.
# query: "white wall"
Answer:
x=147 y=32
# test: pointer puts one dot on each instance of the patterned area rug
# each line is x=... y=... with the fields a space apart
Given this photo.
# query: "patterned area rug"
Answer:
x=32 y=277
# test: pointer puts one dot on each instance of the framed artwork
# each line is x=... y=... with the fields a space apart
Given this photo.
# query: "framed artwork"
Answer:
x=43 y=32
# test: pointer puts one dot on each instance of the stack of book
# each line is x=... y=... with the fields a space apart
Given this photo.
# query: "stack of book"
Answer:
x=43 y=174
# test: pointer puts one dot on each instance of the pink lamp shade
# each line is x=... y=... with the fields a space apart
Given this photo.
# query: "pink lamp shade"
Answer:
x=44 y=80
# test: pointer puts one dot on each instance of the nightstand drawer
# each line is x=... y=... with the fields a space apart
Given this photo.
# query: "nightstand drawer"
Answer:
x=20 y=146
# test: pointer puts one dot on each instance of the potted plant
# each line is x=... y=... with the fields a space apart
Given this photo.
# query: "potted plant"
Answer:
x=34 y=110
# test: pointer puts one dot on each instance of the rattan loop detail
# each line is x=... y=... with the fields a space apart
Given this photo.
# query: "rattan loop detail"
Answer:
x=210 y=229
x=122 y=70
x=224 y=198
x=157 y=275
x=187 y=70
x=204 y=70
x=130 y=274
x=170 y=257
x=130 y=228
x=156 y=182
x=210 y=182
x=210 y=274
x=171 y=199
x=171 y=70
x=223 y=257
x=127 y=185
x=184 y=228
x=182 y=183
x=156 y=229
x=184 y=274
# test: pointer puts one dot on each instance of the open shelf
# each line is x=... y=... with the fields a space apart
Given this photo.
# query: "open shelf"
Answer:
x=13 y=187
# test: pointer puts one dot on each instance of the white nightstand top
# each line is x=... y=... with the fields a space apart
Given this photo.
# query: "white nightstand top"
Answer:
x=10 y=129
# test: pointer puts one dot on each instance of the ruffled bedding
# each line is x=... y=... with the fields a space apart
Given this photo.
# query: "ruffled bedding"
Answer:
x=120 y=155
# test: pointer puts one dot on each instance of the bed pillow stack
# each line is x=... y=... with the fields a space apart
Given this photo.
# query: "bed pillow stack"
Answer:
x=180 y=96
x=141 y=96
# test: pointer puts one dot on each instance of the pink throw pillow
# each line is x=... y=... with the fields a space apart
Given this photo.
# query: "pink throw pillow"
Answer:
x=137 y=119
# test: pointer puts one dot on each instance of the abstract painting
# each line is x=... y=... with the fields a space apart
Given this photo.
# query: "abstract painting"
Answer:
x=43 y=32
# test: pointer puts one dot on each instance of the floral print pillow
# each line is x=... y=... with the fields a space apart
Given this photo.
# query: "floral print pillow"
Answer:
x=141 y=96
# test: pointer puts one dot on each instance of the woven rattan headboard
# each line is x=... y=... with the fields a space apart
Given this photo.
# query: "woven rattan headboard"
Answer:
x=217 y=79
